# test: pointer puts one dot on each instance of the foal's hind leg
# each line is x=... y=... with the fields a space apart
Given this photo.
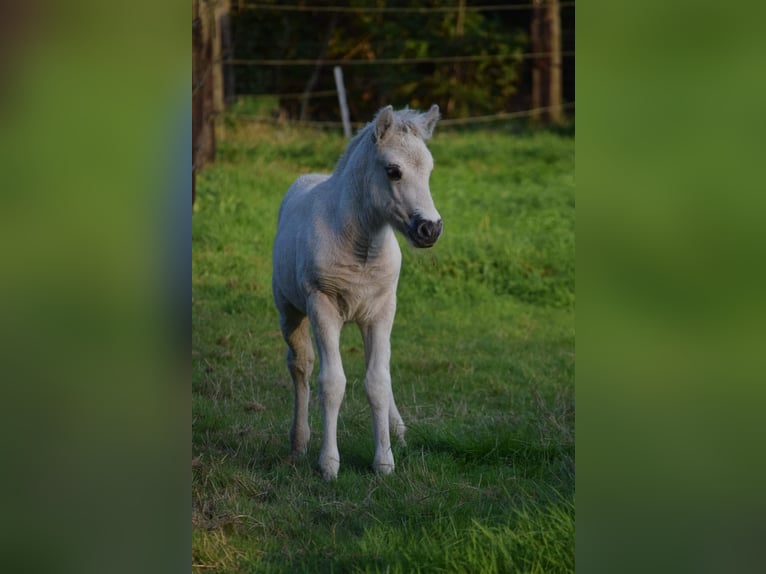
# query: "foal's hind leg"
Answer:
x=398 y=427
x=300 y=363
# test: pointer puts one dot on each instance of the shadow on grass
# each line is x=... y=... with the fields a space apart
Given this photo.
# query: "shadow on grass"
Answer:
x=491 y=450
x=544 y=461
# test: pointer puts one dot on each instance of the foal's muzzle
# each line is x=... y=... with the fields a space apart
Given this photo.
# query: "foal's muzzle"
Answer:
x=423 y=232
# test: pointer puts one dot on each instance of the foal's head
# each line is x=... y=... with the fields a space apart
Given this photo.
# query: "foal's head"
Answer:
x=402 y=168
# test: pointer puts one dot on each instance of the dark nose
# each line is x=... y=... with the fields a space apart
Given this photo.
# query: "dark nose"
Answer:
x=427 y=232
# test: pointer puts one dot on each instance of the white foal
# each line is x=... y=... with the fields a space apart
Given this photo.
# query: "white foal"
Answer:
x=336 y=260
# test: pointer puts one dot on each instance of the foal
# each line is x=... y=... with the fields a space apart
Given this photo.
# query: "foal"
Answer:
x=336 y=260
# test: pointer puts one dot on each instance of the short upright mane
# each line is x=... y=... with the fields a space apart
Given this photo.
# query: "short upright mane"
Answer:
x=406 y=120
x=409 y=120
x=353 y=144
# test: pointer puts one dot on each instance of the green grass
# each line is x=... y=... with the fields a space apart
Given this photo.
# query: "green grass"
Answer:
x=482 y=367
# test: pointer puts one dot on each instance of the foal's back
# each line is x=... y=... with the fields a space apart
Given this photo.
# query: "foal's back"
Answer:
x=297 y=203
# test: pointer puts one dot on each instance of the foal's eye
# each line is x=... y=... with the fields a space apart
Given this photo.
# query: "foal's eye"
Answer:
x=393 y=172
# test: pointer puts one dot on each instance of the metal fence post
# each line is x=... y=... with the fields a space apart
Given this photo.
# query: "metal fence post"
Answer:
x=342 y=101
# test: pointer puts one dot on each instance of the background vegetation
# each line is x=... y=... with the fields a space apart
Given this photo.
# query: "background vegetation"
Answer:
x=483 y=368
x=461 y=88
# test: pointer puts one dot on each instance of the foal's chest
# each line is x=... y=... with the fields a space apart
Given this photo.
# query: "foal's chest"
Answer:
x=359 y=290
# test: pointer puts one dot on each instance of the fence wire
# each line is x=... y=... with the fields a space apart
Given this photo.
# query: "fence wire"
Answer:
x=403 y=9
x=500 y=116
x=389 y=61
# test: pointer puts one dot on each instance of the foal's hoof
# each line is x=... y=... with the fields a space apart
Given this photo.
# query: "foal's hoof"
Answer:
x=298 y=452
x=384 y=469
x=297 y=455
x=299 y=442
x=399 y=432
x=329 y=469
x=383 y=465
x=329 y=476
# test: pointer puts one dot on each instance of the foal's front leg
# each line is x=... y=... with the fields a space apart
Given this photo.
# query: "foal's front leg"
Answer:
x=377 y=384
x=327 y=325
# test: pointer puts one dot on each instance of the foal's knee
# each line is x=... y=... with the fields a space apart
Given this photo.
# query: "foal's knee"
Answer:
x=300 y=363
x=377 y=384
x=332 y=386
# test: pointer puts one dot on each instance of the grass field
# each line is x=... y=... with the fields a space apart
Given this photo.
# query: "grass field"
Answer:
x=482 y=367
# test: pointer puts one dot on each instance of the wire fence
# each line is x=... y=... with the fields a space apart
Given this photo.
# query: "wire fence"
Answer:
x=396 y=10
x=271 y=74
x=215 y=65
x=487 y=119
x=395 y=61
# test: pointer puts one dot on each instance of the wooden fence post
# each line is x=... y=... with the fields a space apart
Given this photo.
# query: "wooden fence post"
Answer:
x=553 y=22
x=537 y=44
x=203 y=96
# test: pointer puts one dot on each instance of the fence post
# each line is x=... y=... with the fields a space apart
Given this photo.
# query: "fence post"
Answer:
x=342 y=101
x=553 y=17
x=203 y=118
x=537 y=43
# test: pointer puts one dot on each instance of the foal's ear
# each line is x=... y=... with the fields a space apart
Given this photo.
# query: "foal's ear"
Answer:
x=383 y=122
x=429 y=121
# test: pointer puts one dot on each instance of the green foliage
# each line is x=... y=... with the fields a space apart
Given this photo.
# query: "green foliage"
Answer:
x=460 y=88
x=482 y=362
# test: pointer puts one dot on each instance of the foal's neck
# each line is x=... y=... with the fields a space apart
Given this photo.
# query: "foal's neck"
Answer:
x=365 y=230
x=368 y=243
x=363 y=227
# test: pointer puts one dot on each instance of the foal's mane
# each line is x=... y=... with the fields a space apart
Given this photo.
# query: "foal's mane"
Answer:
x=405 y=120
x=363 y=135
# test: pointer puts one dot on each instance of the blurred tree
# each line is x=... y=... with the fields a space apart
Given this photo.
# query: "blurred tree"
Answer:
x=460 y=88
